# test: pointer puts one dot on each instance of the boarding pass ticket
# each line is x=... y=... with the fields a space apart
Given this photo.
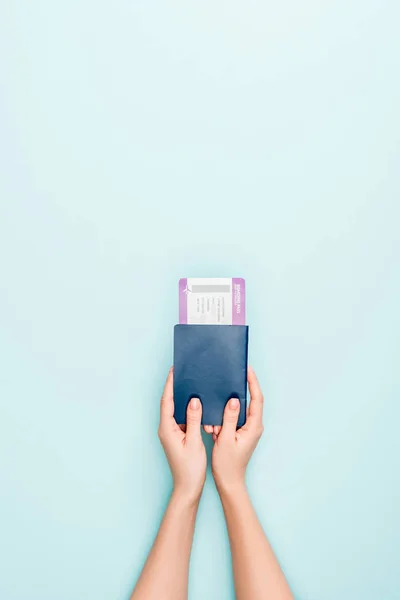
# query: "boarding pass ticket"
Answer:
x=212 y=301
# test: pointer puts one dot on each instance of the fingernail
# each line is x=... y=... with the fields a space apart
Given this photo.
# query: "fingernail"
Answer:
x=194 y=403
x=233 y=403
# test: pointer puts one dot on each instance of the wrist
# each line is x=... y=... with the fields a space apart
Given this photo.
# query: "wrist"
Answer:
x=233 y=489
x=186 y=496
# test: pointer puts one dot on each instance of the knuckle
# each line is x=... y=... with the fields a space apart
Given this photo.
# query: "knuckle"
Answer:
x=192 y=418
x=229 y=418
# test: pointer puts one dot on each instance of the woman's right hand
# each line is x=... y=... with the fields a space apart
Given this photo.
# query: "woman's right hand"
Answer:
x=233 y=448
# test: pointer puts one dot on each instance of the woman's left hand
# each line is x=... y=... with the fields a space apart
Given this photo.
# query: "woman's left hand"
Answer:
x=183 y=446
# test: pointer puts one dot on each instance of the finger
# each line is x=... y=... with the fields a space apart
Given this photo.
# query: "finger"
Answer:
x=208 y=428
x=193 y=419
x=167 y=398
x=214 y=437
x=256 y=399
x=217 y=429
x=231 y=415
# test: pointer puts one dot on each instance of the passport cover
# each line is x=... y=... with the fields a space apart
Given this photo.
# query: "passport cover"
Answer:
x=210 y=363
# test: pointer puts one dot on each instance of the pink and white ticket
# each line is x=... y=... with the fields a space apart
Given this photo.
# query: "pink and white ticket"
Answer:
x=212 y=301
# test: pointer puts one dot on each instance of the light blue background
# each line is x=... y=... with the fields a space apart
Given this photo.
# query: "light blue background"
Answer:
x=145 y=141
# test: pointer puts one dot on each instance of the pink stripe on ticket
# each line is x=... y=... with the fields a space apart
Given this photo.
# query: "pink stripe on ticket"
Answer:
x=238 y=301
x=183 y=301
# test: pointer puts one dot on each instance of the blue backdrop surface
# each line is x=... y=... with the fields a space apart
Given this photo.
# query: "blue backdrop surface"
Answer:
x=145 y=141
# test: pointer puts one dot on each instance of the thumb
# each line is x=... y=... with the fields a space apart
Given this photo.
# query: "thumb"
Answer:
x=193 y=419
x=231 y=415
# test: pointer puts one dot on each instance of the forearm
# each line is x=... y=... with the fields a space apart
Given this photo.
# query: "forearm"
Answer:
x=165 y=574
x=257 y=573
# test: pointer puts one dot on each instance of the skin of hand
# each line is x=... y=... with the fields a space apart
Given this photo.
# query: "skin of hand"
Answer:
x=234 y=448
x=165 y=573
x=256 y=570
x=183 y=445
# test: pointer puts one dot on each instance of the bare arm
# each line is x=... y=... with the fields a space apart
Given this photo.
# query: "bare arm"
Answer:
x=165 y=574
x=257 y=573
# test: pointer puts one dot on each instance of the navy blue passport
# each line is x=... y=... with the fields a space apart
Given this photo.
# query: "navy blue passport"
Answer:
x=210 y=363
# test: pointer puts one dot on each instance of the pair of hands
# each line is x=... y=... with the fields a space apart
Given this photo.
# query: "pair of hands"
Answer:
x=185 y=451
